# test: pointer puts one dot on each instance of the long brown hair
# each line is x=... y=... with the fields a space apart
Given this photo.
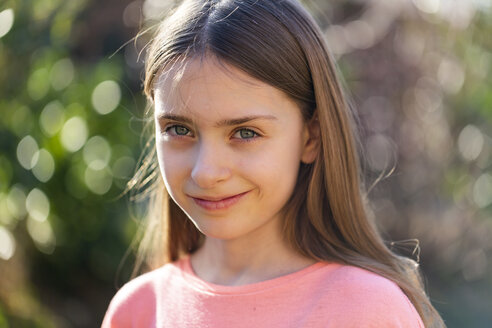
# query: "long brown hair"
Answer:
x=279 y=43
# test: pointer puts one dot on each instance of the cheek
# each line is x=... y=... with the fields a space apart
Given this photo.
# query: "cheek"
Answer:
x=274 y=167
x=286 y=162
x=172 y=165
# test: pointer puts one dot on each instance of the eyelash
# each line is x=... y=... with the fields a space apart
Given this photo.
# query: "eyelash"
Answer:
x=174 y=126
x=168 y=128
x=253 y=138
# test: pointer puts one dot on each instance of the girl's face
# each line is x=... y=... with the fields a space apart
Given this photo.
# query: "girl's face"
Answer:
x=229 y=148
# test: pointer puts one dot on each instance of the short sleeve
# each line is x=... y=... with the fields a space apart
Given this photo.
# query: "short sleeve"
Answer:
x=132 y=306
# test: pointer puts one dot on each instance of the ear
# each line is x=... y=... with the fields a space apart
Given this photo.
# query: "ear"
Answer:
x=311 y=139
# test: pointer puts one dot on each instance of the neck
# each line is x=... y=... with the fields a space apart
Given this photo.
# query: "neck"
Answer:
x=245 y=261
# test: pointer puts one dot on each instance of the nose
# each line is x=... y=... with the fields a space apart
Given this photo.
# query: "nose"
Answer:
x=211 y=166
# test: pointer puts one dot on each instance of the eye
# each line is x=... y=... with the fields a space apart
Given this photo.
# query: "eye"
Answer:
x=177 y=130
x=245 y=134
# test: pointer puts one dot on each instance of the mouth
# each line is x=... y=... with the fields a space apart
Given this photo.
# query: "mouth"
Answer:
x=213 y=204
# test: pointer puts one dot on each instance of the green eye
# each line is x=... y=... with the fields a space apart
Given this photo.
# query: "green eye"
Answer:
x=245 y=134
x=177 y=130
x=181 y=130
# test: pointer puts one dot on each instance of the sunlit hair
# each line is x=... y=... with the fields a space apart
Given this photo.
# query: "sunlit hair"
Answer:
x=279 y=43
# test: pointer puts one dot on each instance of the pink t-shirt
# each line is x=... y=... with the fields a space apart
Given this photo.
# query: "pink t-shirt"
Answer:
x=321 y=295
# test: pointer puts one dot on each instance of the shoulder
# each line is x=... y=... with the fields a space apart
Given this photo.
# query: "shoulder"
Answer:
x=136 y=300
x=370 y=300
x=350 y=279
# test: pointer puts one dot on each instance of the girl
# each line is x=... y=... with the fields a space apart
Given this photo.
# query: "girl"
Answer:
x=259 y=218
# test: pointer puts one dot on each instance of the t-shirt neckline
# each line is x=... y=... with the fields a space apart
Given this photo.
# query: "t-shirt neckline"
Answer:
x=198 y=283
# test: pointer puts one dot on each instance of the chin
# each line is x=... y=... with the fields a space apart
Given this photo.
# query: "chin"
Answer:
x=219 y=230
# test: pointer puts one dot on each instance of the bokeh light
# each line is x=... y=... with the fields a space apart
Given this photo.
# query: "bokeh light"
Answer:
x=451 y=75
x=380 y=152
x=153 y=9
x=62 y=74
x=7 y=244
x=42 y=234
x=482 y=190
x=335 y=36
x=38 y=205
x=470 y=142
x=16 y=202
x=123 y=167
x=427 y=6
x=74 y=133
x=106 y=97
x=43 y=165
x=459 y=14
x=61 y=28
x=52 y=118
x=359 y=34
x=98 y=180
x=37 y=85
x=132 y=14
x=428 y=99
x=410 y=44
x=378 y=114
x=22 y=121
x=26 y=149
x=6 y=21
x=97 y=153
x=41 y=9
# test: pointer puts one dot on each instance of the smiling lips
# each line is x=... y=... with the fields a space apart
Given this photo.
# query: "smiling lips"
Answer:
x=218 y=204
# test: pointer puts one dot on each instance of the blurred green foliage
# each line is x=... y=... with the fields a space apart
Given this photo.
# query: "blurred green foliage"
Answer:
x=66 y=154
x=72 y=114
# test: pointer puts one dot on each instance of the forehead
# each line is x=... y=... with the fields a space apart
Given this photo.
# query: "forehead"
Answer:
x=208 y=88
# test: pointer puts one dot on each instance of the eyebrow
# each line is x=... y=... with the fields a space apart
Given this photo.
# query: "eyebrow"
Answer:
x=224 y=122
